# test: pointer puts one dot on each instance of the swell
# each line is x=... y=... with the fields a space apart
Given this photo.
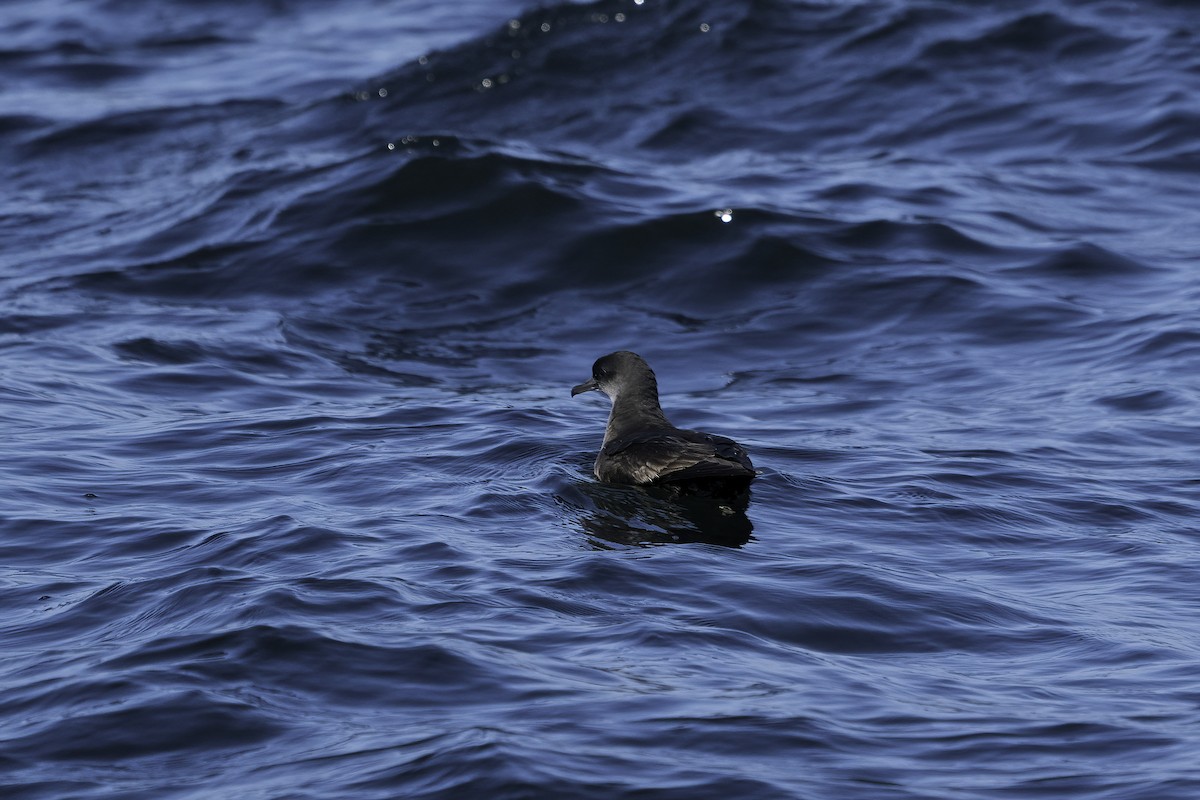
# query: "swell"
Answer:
x=698 y=78
x=296 y=486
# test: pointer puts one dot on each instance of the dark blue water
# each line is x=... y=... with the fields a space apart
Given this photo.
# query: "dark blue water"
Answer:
x=295 y=501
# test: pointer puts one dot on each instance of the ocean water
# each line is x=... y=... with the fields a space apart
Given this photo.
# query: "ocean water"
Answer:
x=296 y=503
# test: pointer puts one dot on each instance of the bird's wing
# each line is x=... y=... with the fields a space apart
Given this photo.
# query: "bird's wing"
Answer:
x=665 y=456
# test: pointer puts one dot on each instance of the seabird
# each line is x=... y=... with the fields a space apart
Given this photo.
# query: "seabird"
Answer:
x=642 y=448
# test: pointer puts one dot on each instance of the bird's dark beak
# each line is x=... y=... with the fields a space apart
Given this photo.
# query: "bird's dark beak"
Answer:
x=586 y=386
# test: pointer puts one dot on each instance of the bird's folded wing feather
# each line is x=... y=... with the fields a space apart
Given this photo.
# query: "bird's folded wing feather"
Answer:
x=672 y=456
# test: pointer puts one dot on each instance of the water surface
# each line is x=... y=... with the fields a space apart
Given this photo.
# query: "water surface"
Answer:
x=297 y=504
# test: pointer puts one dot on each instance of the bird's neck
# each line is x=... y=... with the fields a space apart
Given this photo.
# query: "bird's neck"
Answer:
x=634 y=411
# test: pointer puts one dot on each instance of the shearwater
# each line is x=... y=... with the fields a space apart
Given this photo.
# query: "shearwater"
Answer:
x=641 y=447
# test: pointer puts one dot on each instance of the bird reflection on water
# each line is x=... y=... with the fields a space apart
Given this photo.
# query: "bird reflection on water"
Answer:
x=632 y=515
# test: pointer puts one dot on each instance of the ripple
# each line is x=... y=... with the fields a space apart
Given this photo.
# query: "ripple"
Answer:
x=296 y=494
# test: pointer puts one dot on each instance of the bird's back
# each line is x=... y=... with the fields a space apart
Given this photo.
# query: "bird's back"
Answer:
x=675 y=456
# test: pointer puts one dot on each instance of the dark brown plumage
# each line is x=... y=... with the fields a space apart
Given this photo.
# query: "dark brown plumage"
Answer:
x=642 y=447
